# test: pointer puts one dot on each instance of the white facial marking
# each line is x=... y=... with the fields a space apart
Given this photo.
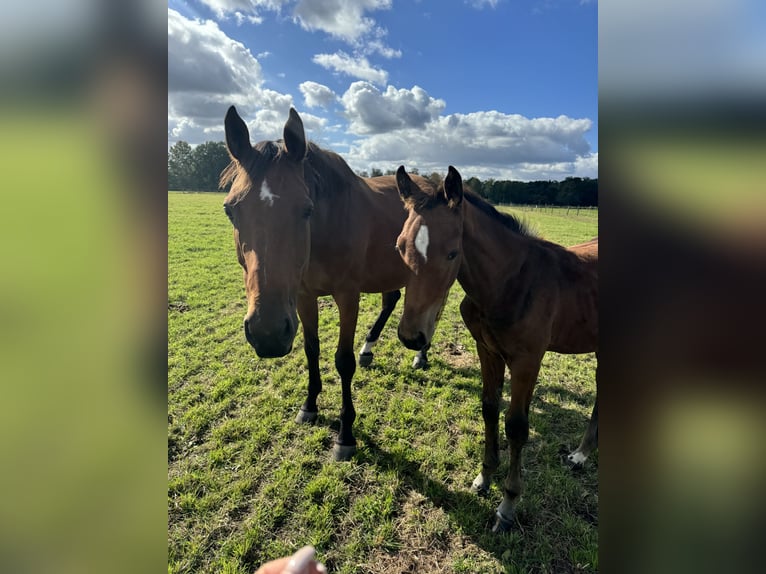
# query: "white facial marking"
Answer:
x=421 y=241
x=266 y=195
x=367 y=347
x=577 y=457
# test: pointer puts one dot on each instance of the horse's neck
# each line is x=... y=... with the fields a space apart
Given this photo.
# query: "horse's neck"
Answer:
x=492 y=255
x=337 y=185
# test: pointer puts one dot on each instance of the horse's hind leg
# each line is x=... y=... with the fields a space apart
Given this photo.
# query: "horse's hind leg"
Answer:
x=309 y=315
x=590 y=439
x=421 y=359
x=389 y=302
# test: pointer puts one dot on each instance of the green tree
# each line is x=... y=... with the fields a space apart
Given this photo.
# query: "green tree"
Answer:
x=180 y=166
x=209 y=160
x=376 y=172
x=436 y=178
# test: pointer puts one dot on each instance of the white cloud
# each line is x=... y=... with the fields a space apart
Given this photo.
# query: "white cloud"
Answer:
x=208 y=72
x=222 y=8
x=343 y=19
x=317 y=95
x=371 y=111
x=484 y=144
x=479 y=4
x=358 y=67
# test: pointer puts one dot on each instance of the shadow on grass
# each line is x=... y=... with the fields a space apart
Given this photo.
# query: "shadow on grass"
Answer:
x=474 y=515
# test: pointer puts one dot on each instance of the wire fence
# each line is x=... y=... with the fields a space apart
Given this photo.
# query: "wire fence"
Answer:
x=573 y=209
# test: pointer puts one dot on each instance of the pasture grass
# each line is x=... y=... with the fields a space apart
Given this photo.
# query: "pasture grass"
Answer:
x=246 y=484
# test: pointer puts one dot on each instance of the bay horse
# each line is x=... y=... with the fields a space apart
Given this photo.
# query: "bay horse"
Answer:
x=306 y=226
x=523 y=296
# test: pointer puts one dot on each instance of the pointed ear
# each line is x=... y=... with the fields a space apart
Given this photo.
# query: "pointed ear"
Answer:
x=403 y=183
x=453 y=187
x=295 y=136
x=237 y=136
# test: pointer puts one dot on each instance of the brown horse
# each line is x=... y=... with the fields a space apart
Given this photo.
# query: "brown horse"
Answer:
x=306 y=226
x=523 y=297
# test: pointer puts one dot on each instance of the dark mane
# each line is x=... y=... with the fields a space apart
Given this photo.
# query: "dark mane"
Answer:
x=508 y=220
x=268 y=151
x=423 y=201
x=324 y=170
x=326 y=173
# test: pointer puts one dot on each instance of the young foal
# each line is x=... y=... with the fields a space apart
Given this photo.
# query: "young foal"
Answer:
x=523 y=296
x=305 y=226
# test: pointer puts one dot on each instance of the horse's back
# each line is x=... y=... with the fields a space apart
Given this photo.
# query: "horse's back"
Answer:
x=587 y=249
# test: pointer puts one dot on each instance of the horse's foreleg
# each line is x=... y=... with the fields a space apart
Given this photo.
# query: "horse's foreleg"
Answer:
x=589 y=440
x=523 y=378
x=309 y=315
x=389 y=302
x=492 y=371
x=345 y=362
x=421 y=359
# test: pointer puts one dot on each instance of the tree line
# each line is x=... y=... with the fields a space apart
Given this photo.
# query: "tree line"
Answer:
x=198 y=169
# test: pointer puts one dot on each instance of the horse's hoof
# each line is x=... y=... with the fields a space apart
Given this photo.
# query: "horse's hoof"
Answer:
x=343 y=452
x=306 y=416
x=419 y=363
x=480 y=486
x=575 y=460
x=502 y=524
x=365 y=359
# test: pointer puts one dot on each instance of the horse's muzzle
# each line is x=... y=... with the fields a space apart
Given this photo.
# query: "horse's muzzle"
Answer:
x=271 y=343
x=414 y=344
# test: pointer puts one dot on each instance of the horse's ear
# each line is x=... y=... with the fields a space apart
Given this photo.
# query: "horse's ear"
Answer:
x=295 y=136
x=237 y=136
x=453 y=187
x=403 y=183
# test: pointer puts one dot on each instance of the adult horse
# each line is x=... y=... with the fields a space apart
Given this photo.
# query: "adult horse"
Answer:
x=306 y=226
x=523 y=297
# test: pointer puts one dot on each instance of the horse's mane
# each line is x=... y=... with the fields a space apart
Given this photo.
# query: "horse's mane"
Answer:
x=325 y=171
x=510 y=221
x=431 y=200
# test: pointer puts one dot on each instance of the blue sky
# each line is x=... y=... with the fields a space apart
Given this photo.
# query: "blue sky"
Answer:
x=498 y=88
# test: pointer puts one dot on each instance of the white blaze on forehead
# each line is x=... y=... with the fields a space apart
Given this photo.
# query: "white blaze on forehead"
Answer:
x=421 y=241
x=266 y=195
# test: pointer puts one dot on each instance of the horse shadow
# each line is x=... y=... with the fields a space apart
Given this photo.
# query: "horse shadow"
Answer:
x=473 y=515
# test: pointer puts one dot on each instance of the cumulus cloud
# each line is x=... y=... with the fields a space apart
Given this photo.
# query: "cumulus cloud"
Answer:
x=343 y=19
x=479 y=4
x=208 y=72
x=358 y=67
x=485 y=144
x=222 y=8
x=371 y=111
x=316 y=95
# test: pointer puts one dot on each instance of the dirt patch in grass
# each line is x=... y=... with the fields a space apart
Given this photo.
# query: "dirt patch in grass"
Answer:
x=178 y=306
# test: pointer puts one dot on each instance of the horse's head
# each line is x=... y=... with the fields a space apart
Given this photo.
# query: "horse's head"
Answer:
x=430 y=244
x=269 y=206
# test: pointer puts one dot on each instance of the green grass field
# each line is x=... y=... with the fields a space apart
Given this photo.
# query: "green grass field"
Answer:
x=246 y=484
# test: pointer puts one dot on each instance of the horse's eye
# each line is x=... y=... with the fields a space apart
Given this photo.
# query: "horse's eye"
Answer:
x=308 y=211
x=451 y=255
x=227 y=211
